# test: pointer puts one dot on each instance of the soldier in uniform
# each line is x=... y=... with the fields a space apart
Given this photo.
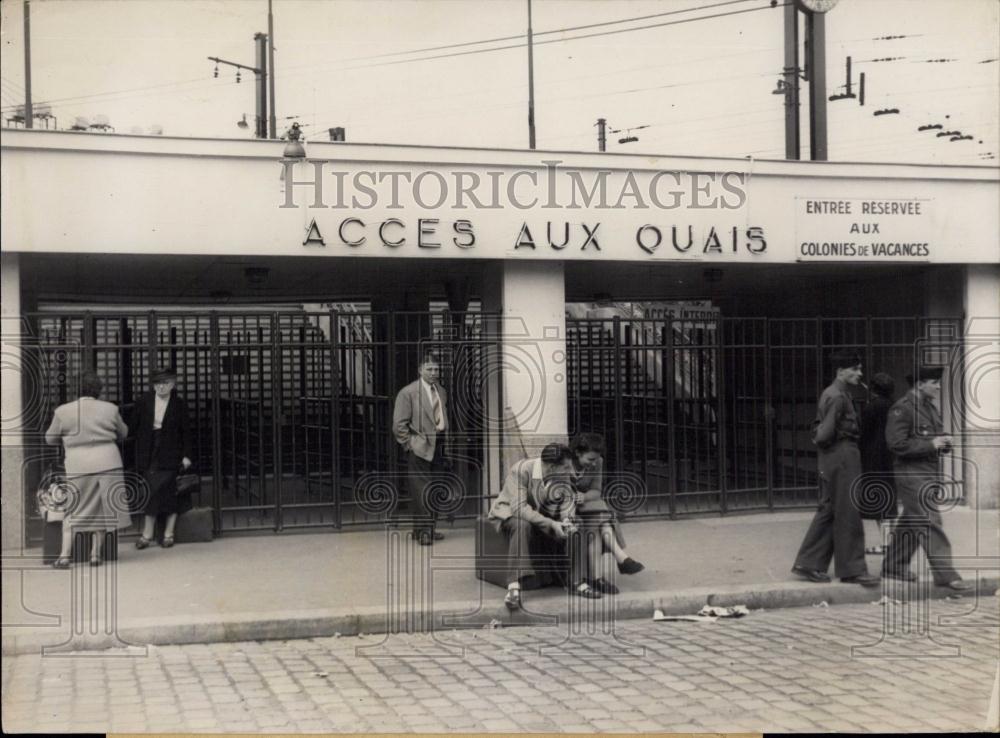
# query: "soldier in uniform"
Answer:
x=916 y=437
x=837 y=531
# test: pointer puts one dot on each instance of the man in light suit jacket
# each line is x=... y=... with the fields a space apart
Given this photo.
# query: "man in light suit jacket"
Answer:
x=535 y=511
x=420 y=424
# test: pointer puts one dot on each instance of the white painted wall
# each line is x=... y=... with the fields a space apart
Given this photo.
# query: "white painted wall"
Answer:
x=981 y=380
x=11 y=439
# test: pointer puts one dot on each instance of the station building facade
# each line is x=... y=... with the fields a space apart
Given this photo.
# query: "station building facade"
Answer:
x=682 y=307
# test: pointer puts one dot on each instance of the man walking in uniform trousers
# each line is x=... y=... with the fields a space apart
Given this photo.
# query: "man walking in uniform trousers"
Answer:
x=915 y=435
x=419 y=423
x=837 y=531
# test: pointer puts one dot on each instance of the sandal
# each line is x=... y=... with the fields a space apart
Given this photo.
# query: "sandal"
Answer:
x=143 y=543
x=168 y=542
x=61 y=563
x=583 y=589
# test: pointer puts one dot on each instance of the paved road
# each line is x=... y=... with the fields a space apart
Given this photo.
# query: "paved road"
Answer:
x=806 y=669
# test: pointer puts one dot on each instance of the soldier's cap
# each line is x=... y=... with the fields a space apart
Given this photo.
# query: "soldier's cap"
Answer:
x=162 y=374
x=844 y=359
x=926 y=372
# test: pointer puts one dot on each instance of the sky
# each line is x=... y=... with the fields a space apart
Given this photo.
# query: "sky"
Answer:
x=703 y=85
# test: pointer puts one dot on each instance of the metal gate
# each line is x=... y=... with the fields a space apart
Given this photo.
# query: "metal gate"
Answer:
x=714 y=415
x=290 y=410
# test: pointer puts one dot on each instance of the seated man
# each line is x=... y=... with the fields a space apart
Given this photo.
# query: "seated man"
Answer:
x=534 y=511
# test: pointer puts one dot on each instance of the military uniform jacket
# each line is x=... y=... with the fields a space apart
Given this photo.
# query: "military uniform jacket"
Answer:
x=836 y=419
x=913 y=423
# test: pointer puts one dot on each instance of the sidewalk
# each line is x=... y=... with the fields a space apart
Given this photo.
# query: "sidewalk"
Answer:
x=317 y=584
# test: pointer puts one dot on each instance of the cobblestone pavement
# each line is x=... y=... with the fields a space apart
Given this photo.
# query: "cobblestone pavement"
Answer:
x=805 y=669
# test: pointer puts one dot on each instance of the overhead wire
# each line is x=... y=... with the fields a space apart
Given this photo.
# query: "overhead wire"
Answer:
x=500 y=39
x=564 y=40
x=141 y=91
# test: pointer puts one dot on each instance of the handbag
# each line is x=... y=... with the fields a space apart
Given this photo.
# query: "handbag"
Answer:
x=188 y=482
x=54 y=495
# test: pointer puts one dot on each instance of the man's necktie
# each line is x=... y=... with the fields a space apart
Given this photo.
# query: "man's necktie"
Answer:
x=436 y=407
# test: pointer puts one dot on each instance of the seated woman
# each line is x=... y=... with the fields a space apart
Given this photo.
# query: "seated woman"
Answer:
x=593 y=512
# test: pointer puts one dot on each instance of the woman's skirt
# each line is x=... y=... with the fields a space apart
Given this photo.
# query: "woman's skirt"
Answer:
x=101 y=502
x=159 y=494
x=594 y=514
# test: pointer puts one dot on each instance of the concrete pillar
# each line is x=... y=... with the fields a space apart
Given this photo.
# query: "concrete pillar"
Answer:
x=979 y=383
x=531 y=298
x=13 y=416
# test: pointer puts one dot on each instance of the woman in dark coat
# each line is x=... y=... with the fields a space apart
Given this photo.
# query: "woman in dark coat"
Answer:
x=878 y=500
x=162 y=448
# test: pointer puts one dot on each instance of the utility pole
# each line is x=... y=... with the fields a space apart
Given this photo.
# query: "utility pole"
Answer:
x=260 y=83
x=816 y=63
x=273 y=122
x=602 y=139
x=29 y=113
x=260 y=87
x=531 y=85
x=791 y=71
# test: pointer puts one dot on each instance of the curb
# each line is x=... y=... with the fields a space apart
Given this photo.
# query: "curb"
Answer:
x=548 y=611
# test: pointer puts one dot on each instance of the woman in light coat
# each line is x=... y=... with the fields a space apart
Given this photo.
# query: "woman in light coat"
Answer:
x=90 y=431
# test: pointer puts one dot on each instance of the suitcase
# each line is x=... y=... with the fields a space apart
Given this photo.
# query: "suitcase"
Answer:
x=491 y=561
x=195 y=526
x=491 y=553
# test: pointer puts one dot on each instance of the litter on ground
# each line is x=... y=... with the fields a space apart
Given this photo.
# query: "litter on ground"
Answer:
x=885 y=600
x=707 y=614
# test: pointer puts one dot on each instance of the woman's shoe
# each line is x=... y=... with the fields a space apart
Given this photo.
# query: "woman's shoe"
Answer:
x=61 y=563
x=95 y=561
x=604 y=586
x=168 y=542
x=630 y=566
x=142 y=543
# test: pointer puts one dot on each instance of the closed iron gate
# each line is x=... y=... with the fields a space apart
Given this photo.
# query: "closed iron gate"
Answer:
x=714 y=415
x=290 y=411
